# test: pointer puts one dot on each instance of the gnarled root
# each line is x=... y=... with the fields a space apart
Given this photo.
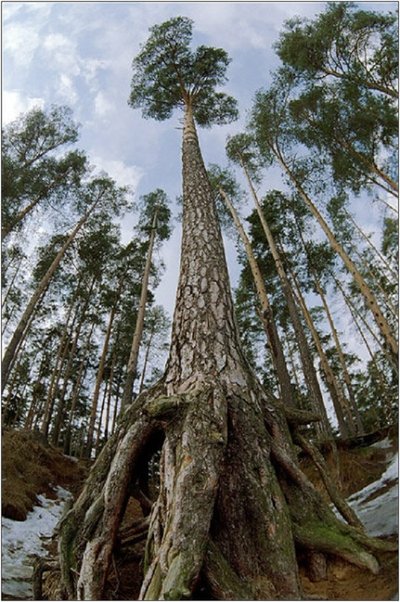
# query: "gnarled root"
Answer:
x=88 y=531
x=180 y=521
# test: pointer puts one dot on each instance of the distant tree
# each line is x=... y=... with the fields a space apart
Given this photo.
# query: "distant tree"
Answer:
x=154 y=221
x=34 y=172
x=98 y=193
x=275 y=138
x=241 y=150
x=358 y=47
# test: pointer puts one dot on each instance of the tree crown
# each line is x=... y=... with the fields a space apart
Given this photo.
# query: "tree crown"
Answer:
x=167 y=74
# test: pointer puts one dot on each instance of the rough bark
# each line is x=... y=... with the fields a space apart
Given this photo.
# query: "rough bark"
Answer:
x=232 y=500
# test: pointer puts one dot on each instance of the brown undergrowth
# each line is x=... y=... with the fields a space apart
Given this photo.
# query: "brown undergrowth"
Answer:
x=31 y=467
x=360 y=463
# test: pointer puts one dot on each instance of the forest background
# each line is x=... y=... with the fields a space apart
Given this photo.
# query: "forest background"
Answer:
x=80 y=55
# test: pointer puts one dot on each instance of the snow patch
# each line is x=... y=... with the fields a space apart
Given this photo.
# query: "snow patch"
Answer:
x=380 y=514
x=383 y=444
x=22 y=540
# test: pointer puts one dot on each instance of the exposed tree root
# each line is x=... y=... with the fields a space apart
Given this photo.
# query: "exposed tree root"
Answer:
x=221 y=510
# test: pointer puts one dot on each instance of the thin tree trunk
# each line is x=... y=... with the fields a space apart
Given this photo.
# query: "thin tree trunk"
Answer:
x=372 y=166
x=385 y=351
x=379 y=318
x=370 y=271
x=100 y=421
x=99 y=380
x=370 y=243
x=68 y=368
x=137 y=336
x=10 y=286
x=267 y=317
x=292 y=361
x=313 y=387
x=355 y=412
x=76 y=390
x=44 y=364
x=6 y=230
x=39 y=292
x=146 y=359
x=343 y=414
x=355 y=316
x=343 y=364
x=61 y=356
x=108 y=411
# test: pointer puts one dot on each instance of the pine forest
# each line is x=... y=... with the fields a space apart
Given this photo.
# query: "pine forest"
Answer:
x=214 y=449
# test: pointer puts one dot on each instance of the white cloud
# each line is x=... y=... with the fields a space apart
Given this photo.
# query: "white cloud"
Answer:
x=90 y=67
x=124 y=175
x=102 y=106
x=63 y=53
x=14 y=104
x=21 y=42
x=66 y=90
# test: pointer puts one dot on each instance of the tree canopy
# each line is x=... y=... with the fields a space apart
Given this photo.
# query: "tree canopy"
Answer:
x=167 y=74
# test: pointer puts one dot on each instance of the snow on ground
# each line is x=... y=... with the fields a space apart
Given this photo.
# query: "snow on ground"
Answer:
x=379 y=512
x=21 y=540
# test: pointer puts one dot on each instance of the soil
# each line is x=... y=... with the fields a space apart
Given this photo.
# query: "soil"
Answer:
x=29 y=466
x=347 y=582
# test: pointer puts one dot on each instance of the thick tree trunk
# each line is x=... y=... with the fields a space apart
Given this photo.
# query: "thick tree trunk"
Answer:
x=221 y=510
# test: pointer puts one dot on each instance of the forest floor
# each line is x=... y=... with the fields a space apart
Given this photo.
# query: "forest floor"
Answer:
x=37 y=479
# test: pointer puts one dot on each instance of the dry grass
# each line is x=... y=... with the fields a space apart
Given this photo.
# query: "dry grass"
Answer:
x=29 y=468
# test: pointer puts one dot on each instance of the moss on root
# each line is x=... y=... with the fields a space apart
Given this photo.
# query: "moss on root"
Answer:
x=331 y=539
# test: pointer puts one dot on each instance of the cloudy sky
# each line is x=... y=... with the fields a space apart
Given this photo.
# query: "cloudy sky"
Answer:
x=80 y=54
